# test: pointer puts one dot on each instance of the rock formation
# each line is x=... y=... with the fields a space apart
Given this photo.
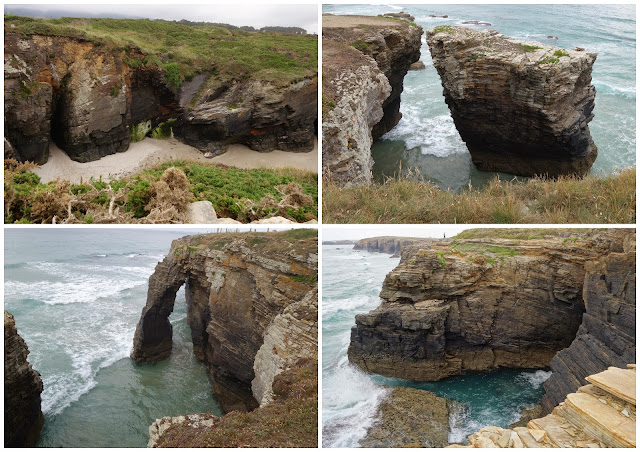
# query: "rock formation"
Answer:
x=239 y=288
x=600 y=414
x=479 y=304
x=355 y=88
x=521 y=107
x=607 y=334
x=23 y=418
x=389 y=245
x=409 y=417
x=85 y=96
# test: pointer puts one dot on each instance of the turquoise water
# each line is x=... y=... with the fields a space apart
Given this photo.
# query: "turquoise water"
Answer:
x=351 y=283
x=76 y=295
x=426 y=140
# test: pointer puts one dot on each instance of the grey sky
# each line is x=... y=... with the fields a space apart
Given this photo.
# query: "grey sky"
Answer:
x=239 y=14
x=330 y=232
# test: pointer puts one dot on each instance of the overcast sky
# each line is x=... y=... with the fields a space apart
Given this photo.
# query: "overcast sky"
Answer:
x=239 y=14
x=333 y=232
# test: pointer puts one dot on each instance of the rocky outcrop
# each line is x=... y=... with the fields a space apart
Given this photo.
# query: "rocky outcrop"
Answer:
x=521 y=107
x=607 y=334
x=236 y=287
x=85 y=96
x=409 y=417
x=353 y=90
x=264 y=116
x=389 y=245
x=292 y=336
x=600 y=414
x=367 y=84
x=401 y=15
x=23 y=418
x=479 y=304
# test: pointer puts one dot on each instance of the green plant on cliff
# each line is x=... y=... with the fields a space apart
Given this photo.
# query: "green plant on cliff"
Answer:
x=399 y=19
x=164 y=130
x=560 y=53
x=592 y=199
x=443 y=29
x=527 y=48
x=139 y=131
x=182 y=51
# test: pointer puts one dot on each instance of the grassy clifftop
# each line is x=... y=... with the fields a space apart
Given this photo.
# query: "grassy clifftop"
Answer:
x=183 y=50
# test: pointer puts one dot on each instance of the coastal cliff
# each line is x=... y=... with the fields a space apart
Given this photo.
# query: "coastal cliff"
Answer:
x=374 y=83
x=521 y=107
x=480 y=303
x=23 y=418
x=242 y=290
x=65 y=83
x=389 y=245
x=606 y=336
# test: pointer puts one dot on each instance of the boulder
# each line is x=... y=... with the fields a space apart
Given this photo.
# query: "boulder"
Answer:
x=201 y=212
x=417 y=66
x=408 y=416
x=521 y=107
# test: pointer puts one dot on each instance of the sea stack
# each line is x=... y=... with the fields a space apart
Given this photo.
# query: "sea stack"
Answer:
x=521 y=107
x=23 y=418
x=371 y=78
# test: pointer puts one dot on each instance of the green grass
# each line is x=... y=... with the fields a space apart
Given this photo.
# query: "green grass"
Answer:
x=527 y=48
x=560 y=53
x=304 y=279
x=443 y=29
x=226 y=188
x=301 y=233
x=399 y=19
x=181 y=50
x=513 y=233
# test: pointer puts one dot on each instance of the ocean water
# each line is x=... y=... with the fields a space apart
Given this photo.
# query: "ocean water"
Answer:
x=77 y=295
x=351 y=283
x=426 y=140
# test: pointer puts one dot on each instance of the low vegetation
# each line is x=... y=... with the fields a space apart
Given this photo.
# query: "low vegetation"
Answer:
x=520 y=234
x=181 y=50
x=291 y=420
x=592 y=199
x=160 y=195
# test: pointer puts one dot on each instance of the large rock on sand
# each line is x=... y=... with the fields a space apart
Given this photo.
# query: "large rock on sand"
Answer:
x=521 y=107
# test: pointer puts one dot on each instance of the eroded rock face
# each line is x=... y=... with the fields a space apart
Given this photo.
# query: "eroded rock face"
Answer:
x=521 y=107
x=409 y=417
x=393 y=44
x=236 y=285
x=85 y=97
x=361 y=96
x=66 y=90
x=607 y=334
x=292 y=336
x=23 y=418
x=356 y=90
x=479 y=304
x=263 y=116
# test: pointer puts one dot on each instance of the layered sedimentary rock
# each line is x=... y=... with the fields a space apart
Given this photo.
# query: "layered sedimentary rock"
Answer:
x=479 y=304
x=352 y=126
x=409 y=417
x=236 y=287
x=607 y=335
x=600 y=414
x=389 y=245
x=23 y=418
x=85 y=96
x=521 y=107
x=354 y=90
x=264 y=116
x=292 y=336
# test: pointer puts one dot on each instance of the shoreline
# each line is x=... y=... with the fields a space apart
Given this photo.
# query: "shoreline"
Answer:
x=150 y=152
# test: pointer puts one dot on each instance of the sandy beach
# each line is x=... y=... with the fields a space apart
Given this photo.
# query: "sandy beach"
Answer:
x=150 y=152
